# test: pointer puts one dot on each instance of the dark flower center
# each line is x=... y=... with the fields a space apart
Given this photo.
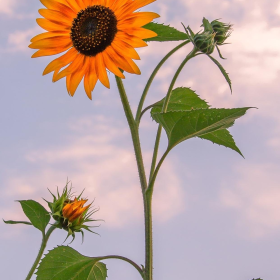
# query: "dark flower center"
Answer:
x=93 y=30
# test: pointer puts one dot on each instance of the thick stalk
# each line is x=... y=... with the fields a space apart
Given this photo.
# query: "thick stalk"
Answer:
x=134 y=134
x=147 y=87
x=164 y=109
x=149 y=237
x=147 y=200
x=41 y=251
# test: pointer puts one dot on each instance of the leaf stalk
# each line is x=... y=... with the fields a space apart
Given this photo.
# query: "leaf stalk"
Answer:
x=147 y=87
x=153 y=174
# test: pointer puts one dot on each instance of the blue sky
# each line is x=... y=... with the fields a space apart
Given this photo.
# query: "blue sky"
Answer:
x=216 y=215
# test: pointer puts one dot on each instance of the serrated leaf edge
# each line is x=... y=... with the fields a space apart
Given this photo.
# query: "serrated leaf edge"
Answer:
x=197 y=132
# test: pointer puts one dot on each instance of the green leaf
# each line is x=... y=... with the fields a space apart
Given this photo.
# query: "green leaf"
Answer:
x=16 y=222
x=185 y=99
x=64 y=263
x=183 y=125
x=222 y=70
x=222 y=137
x=165 y=33
x=36 y=213
x=181 y=99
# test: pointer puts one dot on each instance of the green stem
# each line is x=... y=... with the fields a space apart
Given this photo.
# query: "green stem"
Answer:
x=168 y=95
x=147 y=202
x=134 y=133
x=154 y=160
x=41 y=251
x=153 y=174
x=145 y=110
x=153 y=179
x=123 y=259
x=148 y=237
x=147 y=87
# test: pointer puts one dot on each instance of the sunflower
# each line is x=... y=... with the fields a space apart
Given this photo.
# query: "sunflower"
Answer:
x=95 y=35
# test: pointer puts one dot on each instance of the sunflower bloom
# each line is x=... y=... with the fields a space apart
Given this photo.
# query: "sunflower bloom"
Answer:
x=95 y=35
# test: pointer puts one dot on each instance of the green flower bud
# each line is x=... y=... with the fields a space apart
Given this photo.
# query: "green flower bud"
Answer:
x=222 y=31
x=70 y=213
x=205 y=41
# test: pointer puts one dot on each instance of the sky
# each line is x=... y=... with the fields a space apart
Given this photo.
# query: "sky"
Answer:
x=216 y=215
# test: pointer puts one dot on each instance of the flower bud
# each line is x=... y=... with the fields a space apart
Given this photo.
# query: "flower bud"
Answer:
x=222 y=31
x=205 y=42
x=70 y=214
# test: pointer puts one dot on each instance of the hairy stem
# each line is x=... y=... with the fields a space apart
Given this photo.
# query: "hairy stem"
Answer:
x=147 y=87
x=147 y=202
x=156 y=147
x=153 y=178
x=153 y=174
x=149 y=237
x=123 y=259
x=134 y=134
x=41 y=251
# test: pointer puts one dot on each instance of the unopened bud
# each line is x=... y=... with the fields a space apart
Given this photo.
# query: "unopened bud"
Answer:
x=222 y=31
x=205 y=42
x=70 y=213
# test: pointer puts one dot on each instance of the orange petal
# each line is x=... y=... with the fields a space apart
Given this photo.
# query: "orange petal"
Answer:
x=76 y=215
x=73 y=5
x=101 y=70
x=76 y=64
x=124 y=49
x=115 y=5
x=122 y=12
x=111 y=65
x=56 y=16
x=133 y=65
x=90 y=79
x=80 y=4
x=133 y=41
x=137 y=20
x=49 y=35
x=120 y=61
x=61 y=61
x=75 y=80
x=51 y=26
x=51 y=51
x=48 y=43
x=142 y=33
x=67 y=209
x=58 y=6
x=68 y=79
x=141 y=3
x=56 y=71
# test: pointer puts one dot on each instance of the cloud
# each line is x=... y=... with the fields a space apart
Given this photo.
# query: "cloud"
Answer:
x=19 y=40
x=106 y=171
x=257 y=54
x=7 y=7
x=254 y=196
